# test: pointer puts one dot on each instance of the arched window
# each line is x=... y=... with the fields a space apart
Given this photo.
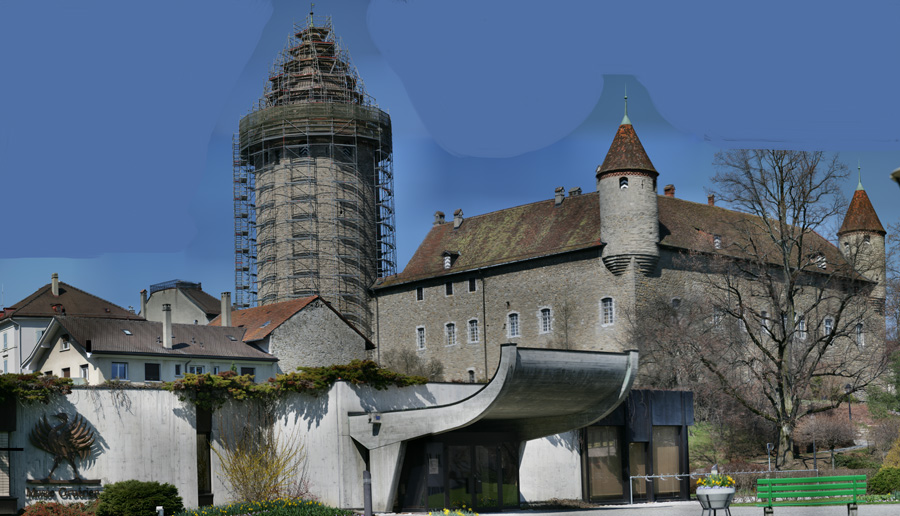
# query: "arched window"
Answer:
x=450 y=333
x=545 y=321
x=473 y=330
x=512 y=325
x=607 y=311
x=623 y=183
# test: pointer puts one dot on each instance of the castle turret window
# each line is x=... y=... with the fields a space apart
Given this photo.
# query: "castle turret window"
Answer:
x=623 y=183
x=420 y=293
x=607 y=311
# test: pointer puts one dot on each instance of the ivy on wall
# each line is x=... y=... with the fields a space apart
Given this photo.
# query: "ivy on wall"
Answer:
x=32 y=388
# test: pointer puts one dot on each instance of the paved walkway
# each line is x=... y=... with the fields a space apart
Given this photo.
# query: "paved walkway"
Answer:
x=693 y=509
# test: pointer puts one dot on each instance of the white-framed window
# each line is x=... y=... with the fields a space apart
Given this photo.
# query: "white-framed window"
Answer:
x=473 y=285
x=545 y=320
x=512 y=325
x=84 y=372
x=196 y=369
x=827 y=326
x=215 y=370
x=607 y=311
x=860 y=336
x=448 y=288
x=821 y=261
x=450 y=334
x=420 y=293
x=64 y=345
x=801 y=327
x=5 y=364
x=473 y=330
x=420 y=337
x=119 y=371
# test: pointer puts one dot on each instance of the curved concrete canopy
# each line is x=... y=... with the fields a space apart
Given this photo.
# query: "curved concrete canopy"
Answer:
x=534 y=393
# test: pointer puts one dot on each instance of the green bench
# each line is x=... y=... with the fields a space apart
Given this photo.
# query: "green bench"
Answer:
x=838 y=491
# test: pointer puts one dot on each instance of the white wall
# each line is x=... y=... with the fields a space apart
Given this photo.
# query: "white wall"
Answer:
x=551 y=468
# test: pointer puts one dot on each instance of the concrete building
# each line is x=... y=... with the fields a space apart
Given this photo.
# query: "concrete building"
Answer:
x=189 y=303
x=94 y=350
x=305 y=332
x=313 y=182
x=22 y=324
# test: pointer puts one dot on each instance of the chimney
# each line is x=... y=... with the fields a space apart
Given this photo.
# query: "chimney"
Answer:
x=574 y=191
x=226 y=308
x=438 y=218
x=167 y=326
x=457 y=218
x=54 y=284
x=670 y=190
x=711 y=199
x=144 y=303
x=559 y=194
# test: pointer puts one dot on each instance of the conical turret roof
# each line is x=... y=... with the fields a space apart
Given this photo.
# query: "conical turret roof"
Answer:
x=861 y=215
x=626 y=153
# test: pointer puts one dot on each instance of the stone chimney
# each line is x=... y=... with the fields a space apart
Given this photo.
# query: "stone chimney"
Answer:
x=438 y=218
x=144 y=303
x=167 y=326
x=54 y=284
x=226 y=308
x=711 y=199
x=574 y=191
x=457 y=218
x=669 y=190
x=559 y=195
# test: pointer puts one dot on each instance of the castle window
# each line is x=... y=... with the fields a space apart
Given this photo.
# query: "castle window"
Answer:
x=623 y=183
x=512 y=325
x=448 y=288
x=473 y=331
x=867 y=240
x=764 y=322
x=860 y=336
x=607 y=311
x=420 y=293
x=828 y=326
x=420 y=338
x=471 y=376
x=717 y=241
x=450 y=334
x=801 y=328
x=545 y=321
x=473 y=285
x=676 y=303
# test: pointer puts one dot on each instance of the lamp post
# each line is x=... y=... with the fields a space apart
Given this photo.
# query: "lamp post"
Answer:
x=848 y=388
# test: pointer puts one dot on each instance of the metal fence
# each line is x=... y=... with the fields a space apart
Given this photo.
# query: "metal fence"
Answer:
x=744 y=481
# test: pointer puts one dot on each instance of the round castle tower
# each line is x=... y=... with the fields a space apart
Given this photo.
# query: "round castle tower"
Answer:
x=629 y=214
x=861 y=239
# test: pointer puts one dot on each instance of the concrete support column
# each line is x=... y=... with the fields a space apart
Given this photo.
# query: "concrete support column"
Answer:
x=386 y=463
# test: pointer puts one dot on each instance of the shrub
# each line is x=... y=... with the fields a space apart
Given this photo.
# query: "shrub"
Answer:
x=886 y=481
x=856 y=461
x=61 y=509
x=136 y=498
x=283 y=507
x=34 y=387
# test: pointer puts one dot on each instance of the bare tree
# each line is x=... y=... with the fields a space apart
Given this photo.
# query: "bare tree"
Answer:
x=828 y=430
x=773 y=317
x=409 y=362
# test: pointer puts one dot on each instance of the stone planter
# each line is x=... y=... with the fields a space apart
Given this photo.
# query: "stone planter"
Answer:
x=712 y=498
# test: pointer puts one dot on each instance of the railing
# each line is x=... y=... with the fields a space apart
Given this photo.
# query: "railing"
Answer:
x=649 y=478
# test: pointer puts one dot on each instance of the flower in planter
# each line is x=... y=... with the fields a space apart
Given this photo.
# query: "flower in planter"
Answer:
x=715 y=480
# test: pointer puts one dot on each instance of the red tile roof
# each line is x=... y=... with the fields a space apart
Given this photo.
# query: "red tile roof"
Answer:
x=260 y=321
x=543 y=229
x=71 y=301
x=861 y=215
x=626 y=153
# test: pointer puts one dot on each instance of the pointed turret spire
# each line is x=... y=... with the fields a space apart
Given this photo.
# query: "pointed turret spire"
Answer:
x=861 y=214
x=626 y=152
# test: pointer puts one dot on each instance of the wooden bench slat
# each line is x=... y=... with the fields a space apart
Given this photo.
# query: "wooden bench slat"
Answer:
x=845 y=487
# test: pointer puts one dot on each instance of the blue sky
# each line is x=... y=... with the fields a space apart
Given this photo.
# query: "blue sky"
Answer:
x=116 y=118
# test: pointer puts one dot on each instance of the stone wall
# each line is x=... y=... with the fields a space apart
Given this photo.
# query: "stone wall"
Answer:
x=570 y=285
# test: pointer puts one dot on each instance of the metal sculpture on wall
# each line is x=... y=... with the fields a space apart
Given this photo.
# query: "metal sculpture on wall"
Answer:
x=66 y=441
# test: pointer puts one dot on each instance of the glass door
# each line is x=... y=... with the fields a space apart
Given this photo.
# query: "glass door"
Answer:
x=604 y=464
x=637 y=464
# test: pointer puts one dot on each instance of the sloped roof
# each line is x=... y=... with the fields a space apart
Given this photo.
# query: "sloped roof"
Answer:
x=260 y=321
x=626 y=153
x=72 y=301
x=206 y=302
x=543 y=229
x=861 y=215
x=108 y=336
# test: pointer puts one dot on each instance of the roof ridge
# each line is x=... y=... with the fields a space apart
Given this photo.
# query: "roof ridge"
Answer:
x=551 y=199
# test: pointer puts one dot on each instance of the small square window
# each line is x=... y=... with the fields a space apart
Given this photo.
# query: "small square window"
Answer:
x=151 y=373
x=66 y=373
x=65 y=346
x=448 y=288
x=119 y=371
x=420 y=293
x=248 y=370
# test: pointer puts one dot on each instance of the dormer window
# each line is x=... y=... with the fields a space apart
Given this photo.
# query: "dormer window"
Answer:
x=446 y=261
x=717 y=241
x=449 y=258
x=821 y=262
x=623 y=183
